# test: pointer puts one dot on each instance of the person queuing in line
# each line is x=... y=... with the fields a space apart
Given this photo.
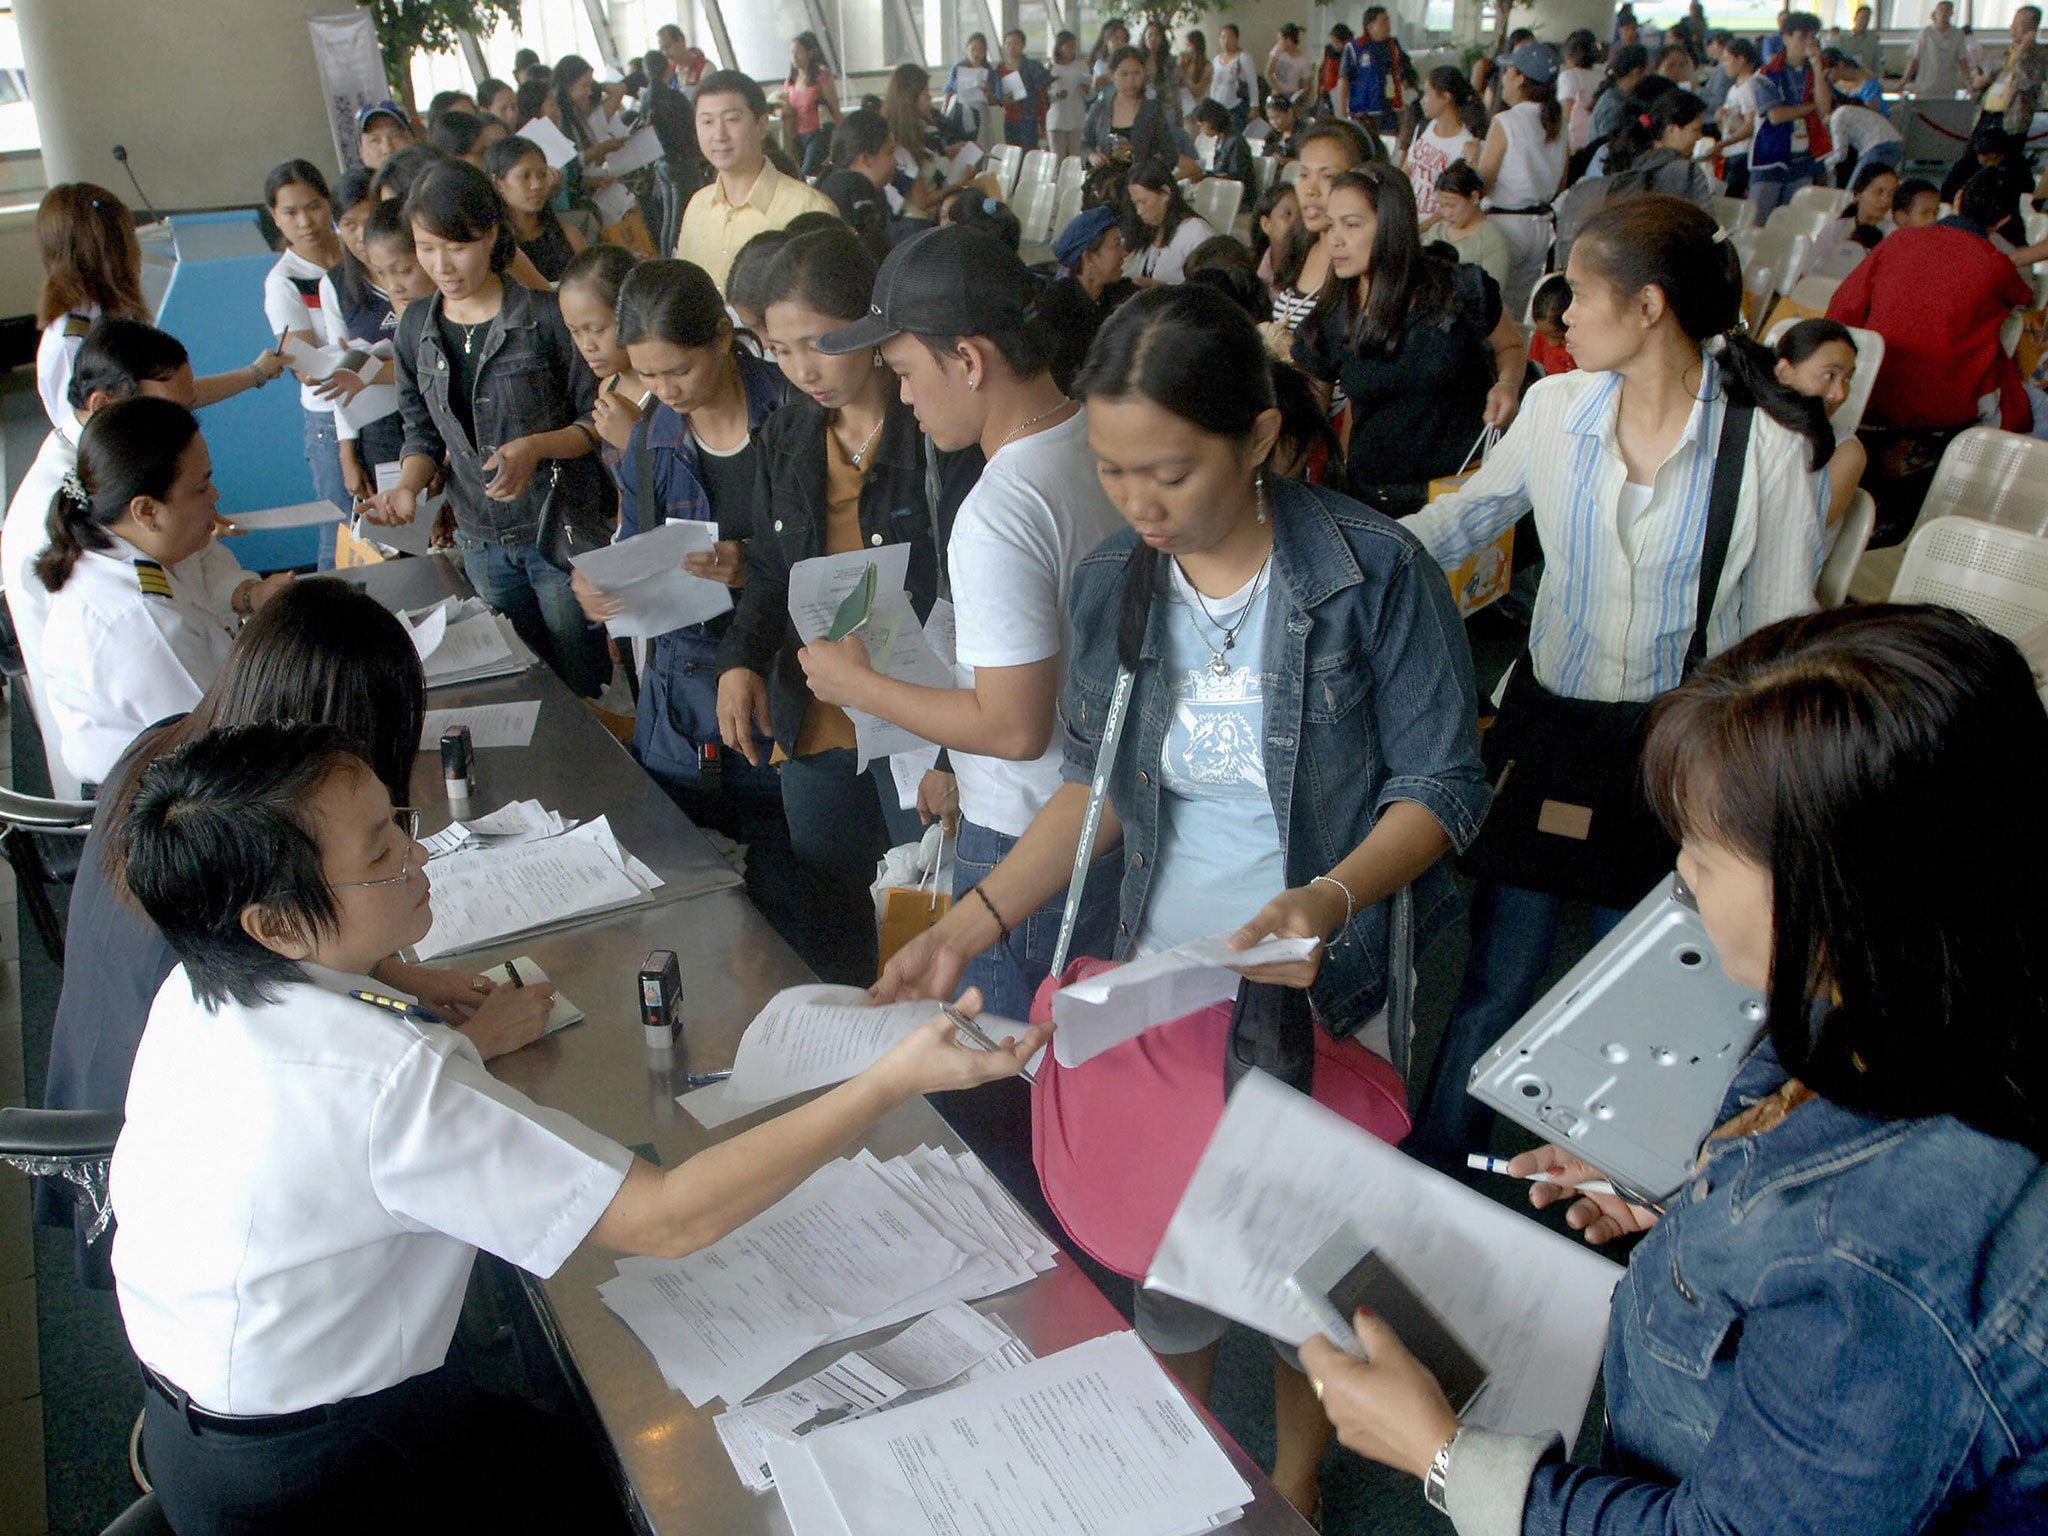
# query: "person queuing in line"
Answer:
x=1626 y=67
x=958 y=325
x=296 y=195
x=1425 y=352
x=695 y=457
x=746 y=290
x=749 y=193
x=1461 y=220
x=319 y=651
x=589 y=296
x=1818 y=358
x=92 y=267
x=1289 y=69
x=1162 y=69
x=1164 y=229
x=970 y=95
x=1374 y=74
x=1938 y=65
x=1023 y=115
x=1276 y=224
x=1126 y=126
x=810 y=99
x=1195 y=71
x=1867 y=1218
x=1794 y=101
x=1230 y=599
x=1454 y=125
x=382 y=130
x=393 y=261
x=358 y=317
x=1220 y=150
x=1523 y=164
x=1939 y=296
x=1113 y=35
x=1066 y=111
x=843 y=467
x=1739 y=117
x=395 y=177
x=1327 y=150
x=496 y=99
x=1090 y=252
x=138 y=623
x=1615 y=460
x=490 y=382
x=276 y=867
x=466 y=135
x=520 y=173
x=1578 y=85
x=1230 y=77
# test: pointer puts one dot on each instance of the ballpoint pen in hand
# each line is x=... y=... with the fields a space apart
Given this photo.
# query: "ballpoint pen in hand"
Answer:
x=1499 y=1165
x=978 y=1035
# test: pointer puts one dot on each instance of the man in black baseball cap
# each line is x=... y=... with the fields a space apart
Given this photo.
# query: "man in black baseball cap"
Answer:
x=955 y=315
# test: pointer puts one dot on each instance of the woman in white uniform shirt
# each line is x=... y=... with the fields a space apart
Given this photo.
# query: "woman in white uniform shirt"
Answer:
x=305 y=1177
x=143 y=604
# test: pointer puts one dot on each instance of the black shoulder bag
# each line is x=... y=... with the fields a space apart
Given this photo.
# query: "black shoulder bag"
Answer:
x=1569 y=816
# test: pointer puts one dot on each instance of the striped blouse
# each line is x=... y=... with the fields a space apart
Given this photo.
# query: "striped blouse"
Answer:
x=1615 y=611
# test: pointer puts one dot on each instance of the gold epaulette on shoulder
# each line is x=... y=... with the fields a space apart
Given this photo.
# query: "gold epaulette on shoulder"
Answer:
x=76 y=325
x=151 y=578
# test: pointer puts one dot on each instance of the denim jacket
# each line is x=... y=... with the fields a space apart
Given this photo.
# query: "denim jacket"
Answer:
x=1369 y=700
x=529 y=379
x=1841 y=1324
x=789 y=525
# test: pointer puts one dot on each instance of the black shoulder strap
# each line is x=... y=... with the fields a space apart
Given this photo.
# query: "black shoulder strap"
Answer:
x=643 y=475
x=1727 y=484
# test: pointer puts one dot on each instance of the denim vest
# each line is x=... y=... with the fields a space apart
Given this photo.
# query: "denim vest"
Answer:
x=1841 y=1324
x=529 y=378
x=1369 y=700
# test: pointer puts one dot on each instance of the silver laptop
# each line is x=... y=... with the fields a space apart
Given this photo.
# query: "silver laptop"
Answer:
x=1627 y=1060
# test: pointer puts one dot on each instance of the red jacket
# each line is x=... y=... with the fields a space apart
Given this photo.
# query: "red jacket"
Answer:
x=1938 y=296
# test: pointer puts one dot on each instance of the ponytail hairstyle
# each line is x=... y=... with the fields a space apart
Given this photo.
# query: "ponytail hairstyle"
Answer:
x=294 y=173
x=1629 y=59
x=861 y=132
x=747 y=281
x=671 y=301
x=1188 y=350
x=352 y=283
x=1544 y=94
x=131 y=448
x=396 y=176
x=1360 y=147
x=533 y=97
x=1646 y=117
x=1403 y=278
x=1446 y=81
x=456 y=201
x=91 y=260
x=827 y=270
x=1581 y=49
x=602 y=269
x=1654 y=241
x=118 y=357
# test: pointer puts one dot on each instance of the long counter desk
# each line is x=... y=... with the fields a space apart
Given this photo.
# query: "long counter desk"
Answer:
x=680 y=1481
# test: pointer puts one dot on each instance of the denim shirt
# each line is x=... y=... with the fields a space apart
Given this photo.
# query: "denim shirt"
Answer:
x=529 y=379
x=1369 y=700
x=1841 y=1324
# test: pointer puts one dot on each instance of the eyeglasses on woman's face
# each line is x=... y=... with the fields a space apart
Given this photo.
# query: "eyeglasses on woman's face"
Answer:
x=407 y=821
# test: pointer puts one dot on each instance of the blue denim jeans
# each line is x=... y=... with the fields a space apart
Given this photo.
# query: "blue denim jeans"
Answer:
x=841 y=822
x=1513 y=933
x=323 y=458
x=533 y=592
x=1009 y=971
x=1773 y=187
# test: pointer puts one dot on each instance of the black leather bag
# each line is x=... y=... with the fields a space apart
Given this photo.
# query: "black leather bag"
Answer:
x=1569 y=817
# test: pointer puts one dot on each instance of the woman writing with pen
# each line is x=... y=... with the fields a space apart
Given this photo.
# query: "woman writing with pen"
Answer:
x=490 y=379
x=1836 y=1326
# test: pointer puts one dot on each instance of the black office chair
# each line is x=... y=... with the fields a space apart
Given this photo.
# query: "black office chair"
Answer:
x=145 y=1517
x=42 y=840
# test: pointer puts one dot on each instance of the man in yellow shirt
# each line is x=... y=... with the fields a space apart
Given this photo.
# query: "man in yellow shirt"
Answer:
x=749 y=195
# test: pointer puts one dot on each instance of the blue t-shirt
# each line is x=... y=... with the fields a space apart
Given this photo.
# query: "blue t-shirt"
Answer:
x=1219 y=858
x=1782 y=144
x=1369 y=64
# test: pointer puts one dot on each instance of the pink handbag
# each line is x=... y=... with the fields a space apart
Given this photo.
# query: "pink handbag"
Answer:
x=1116 y=1139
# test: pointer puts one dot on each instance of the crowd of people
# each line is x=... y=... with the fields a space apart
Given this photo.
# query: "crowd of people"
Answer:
x=1202 y=483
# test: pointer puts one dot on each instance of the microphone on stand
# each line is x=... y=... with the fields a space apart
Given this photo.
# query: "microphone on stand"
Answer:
x=121 y=154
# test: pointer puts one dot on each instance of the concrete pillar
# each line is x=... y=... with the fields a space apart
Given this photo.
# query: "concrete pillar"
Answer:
x=206 y=97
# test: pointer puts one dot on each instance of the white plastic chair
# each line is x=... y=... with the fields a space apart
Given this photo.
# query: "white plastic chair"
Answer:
x=1798 y=221
x=1734 y=213
x=1783 y=252
x=1216 y=199
x=1834 y=201
x=2035 y=224
x=1039 y=165
x=1003 y=162
x=1998 y=574
x=1852 y=537
x=1034 y=209
x=1266 y=170
x=1992 y=476
x=1814 y=291
x=1291 y=172
x=1066 y=208
x=1869 y=358
x=1072 y=172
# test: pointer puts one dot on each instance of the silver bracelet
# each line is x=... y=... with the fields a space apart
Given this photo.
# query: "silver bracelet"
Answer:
x=1435 y=1482
x=1350 y=908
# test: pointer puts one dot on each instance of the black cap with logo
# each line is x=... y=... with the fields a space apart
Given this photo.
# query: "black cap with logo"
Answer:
x=955 y=281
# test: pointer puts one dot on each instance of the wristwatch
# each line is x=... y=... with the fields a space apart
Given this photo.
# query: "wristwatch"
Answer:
x=1434 y=1480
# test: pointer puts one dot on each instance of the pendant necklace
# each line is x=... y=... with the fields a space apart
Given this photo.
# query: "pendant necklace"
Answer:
x=1218 y=665
x=861 y=452
x=1024 y=426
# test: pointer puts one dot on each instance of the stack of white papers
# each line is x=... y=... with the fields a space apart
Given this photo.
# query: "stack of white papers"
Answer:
x=642 y=148
x=1092 y=1441
x=1281 y=1172
x=462 y=641
x=859 y=1245
x=490 y=725
x=491 y=893
x=811 y=1037
x=896 y=642
x=514 y=822
x=555 y=146
x=645 y=574
x=1120 y=1004
x=954 y=1344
